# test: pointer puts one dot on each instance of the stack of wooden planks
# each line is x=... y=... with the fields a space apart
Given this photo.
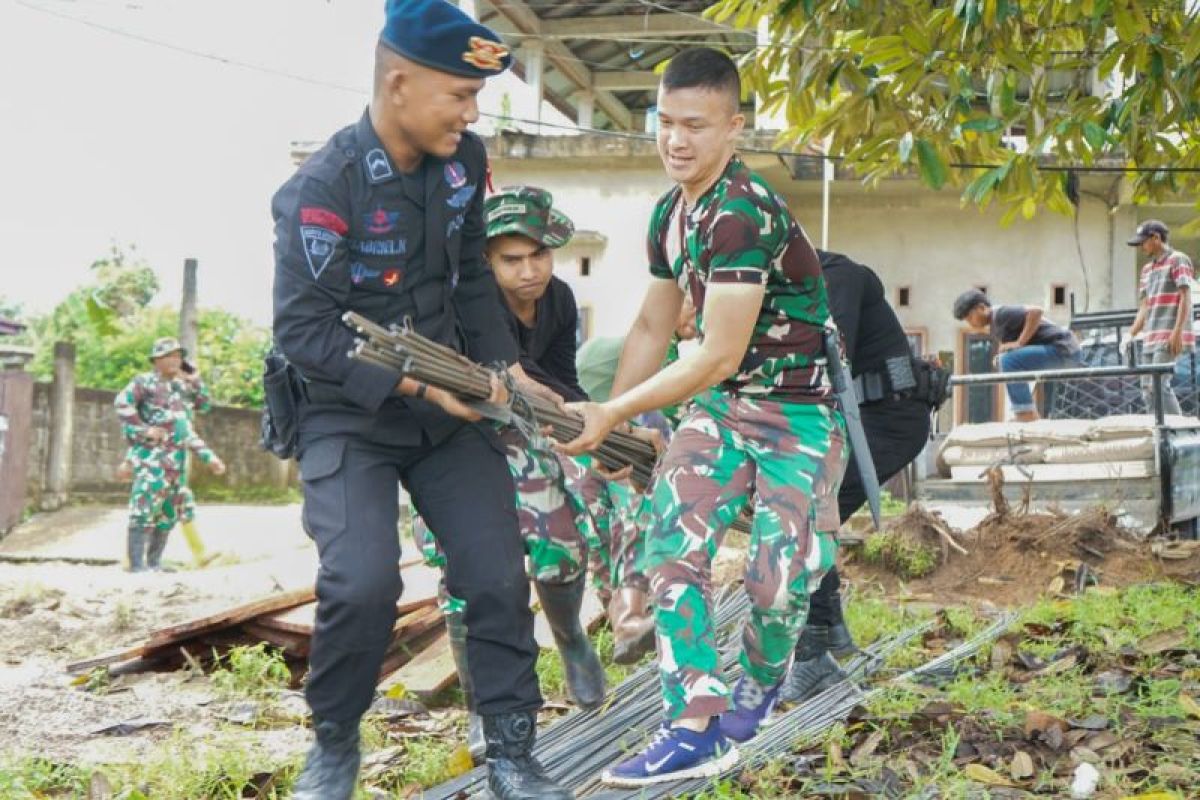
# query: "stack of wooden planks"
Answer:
x=418 y=658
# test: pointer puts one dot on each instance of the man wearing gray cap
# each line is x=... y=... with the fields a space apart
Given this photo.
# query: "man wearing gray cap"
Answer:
x=1164 y=318
x=155 y=410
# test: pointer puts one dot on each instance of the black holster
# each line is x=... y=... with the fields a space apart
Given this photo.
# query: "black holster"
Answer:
x=281 y=393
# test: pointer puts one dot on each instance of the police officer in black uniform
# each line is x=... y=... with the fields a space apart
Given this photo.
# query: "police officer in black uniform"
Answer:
x=386 y=220
x=897 y=394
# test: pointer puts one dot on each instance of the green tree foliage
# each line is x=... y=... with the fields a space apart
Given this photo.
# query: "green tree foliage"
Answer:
x=112 y=325
x=925 y=85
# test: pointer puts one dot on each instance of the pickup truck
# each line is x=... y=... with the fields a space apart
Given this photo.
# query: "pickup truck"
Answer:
x=1145 y=468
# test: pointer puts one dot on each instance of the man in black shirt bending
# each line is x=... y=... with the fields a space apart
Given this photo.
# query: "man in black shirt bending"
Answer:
x=896 y=394
x=1025 y=340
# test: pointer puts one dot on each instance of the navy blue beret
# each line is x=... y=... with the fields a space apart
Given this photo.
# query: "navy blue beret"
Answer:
x=440 y=36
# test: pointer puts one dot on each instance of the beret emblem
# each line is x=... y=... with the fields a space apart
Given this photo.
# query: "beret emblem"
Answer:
x=485 y=54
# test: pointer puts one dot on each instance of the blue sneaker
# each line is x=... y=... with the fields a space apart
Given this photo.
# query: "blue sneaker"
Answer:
x=675 y=754
x=752 y=707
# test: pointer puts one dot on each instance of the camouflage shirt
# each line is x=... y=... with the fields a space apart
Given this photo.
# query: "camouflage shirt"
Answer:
x=149 y=401
x=740 y=231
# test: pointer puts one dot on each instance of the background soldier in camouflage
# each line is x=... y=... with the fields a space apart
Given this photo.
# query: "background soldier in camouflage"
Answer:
x=761 y=430
x=155 y=410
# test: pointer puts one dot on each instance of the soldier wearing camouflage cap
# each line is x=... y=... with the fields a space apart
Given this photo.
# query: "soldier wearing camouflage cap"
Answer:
x=155 y=410
x=568 y=514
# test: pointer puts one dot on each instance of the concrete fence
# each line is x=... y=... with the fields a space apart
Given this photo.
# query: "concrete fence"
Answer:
x=76 y=445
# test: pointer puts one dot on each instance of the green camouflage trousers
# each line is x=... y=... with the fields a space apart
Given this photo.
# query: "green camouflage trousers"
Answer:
x=785 y=458
x=160 y=499
x=568 y=517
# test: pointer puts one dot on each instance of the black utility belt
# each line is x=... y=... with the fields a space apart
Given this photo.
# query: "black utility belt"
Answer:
x=903 y=377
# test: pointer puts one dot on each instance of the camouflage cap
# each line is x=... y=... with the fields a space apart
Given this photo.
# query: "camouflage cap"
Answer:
x=529 y=211
x=165 y=346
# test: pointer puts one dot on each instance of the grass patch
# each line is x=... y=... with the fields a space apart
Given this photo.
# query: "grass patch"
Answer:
x=900 y=554
x=252 y=495
x=426 y=761
x=22 y=599
x=123 y=617
x=256 y=672
x=552 y=677
x=30 y=778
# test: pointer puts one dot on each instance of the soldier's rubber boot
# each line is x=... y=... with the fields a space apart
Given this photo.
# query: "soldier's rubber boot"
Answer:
x=331 y=769
x=632 y=625
x=814 y=669
x=562 y=602
x=154 y=550
x=476 y=744
x=513 y=772
x=136 y=548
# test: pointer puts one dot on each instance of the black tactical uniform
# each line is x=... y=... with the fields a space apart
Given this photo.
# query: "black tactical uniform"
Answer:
x=896 y=421
x=354 y=233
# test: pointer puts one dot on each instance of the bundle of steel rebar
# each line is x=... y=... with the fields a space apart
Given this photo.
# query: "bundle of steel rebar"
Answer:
x=815 y=716
x=417 y=357
x=580 y=745
x=576 y=749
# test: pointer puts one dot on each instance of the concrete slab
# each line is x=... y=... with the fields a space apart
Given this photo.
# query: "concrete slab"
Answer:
x=248 y=533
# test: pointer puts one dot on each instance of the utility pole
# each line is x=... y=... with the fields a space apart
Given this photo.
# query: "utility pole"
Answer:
x=187 y=308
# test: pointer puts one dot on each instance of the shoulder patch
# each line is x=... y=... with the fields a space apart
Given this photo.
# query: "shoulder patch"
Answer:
x=324 y=218
x=320 y=231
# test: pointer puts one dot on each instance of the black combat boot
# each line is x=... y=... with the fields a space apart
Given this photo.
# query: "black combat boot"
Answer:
x=561 y=603
x=136 y=547
x=814 y=669
x=841 y=643
x=154 y=550
x=331 y=769
x=476 y=744
x=513 y=772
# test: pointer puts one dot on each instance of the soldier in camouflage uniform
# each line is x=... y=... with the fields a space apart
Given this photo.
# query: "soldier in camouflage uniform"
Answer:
x=628 y=602
x=155 y=410
x=762 y=429
x=566 y=511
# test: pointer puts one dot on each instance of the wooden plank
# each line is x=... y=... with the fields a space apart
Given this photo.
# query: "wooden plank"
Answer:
x=295 y=620
x=301 y=619
x=103 y=660
x=13 y=558
x=428 y=672
x=414 y=623
x=403 y=651
x=294 y=644
x=229 y=617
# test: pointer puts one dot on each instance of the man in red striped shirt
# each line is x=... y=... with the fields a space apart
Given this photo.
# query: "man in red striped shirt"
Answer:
x=1164 y=317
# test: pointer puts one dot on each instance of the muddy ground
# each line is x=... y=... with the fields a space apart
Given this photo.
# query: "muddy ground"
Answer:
x=1012 y=559
x=55 y=612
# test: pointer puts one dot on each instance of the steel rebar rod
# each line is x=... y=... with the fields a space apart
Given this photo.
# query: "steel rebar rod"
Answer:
x=987 y=378
x=415 y=356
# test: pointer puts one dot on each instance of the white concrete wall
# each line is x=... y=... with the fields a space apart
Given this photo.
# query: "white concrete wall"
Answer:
x=924 y=240
x=613 y=201
x=909 y=235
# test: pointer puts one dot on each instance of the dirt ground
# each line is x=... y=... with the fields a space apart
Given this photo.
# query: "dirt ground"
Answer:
x=54 y=612
x=1012 y=559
